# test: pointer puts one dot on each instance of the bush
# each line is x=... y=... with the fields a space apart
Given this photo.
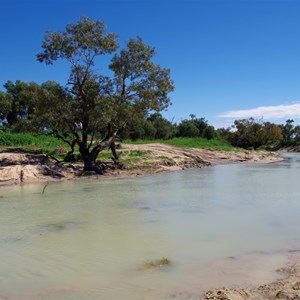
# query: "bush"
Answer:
x=188 y=129
x=209 y=132
x=45 y=144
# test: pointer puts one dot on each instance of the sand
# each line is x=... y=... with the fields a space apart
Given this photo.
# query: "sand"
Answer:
x=18 y=167
x=286 y=288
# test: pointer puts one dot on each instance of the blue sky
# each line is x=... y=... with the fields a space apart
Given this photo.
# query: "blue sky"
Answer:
x=228 y=59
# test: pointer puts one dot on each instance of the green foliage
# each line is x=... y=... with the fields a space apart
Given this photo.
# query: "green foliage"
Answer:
x=195 y=127
x=288 y=130
x=94 y=104
x=188 y=128
x=54 y=108
x=150 y=130
x=5 y=106
x=80 y=43
x=105 y=155
x=209 y=132
x=190 y=143
x=128 y=156
x=251 y=133
x=137 y=153
x=140 y=83
x=133 y=156
x=200 y=143
x=22 y=126
x=17 y=106
x=164 y=129
x=153 y=127
x=43 y=144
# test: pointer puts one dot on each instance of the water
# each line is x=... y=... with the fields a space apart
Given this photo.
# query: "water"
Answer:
x=226 y=225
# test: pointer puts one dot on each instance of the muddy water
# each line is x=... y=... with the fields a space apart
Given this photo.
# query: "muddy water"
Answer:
x=226 y=225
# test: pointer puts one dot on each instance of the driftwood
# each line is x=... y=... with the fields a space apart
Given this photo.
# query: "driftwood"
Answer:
x=44 y=188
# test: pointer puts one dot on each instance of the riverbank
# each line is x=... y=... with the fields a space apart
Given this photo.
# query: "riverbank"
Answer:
x=287 y=288
x=17 y=166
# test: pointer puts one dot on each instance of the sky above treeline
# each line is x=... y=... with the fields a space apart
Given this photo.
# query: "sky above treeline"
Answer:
x=229 y=59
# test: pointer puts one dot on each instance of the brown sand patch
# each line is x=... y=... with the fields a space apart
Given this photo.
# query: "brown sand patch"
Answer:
x=18 y=167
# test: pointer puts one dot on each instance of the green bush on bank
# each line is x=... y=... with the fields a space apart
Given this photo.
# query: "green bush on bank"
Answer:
x=45 y=144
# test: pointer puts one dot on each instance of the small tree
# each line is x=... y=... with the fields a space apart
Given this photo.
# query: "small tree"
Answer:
x=92 y=101
x=188 y=128
x=16 y=105
x=251 y=133
x=195 y=127
x=209 y=132
x=5 y=107
x=288 y=130
x=164 y=129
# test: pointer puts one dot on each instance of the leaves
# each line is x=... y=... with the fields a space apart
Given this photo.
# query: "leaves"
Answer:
x=251 y=133
x=93 y=101
x=5 y=105
x=138 y=80
x=80 y=43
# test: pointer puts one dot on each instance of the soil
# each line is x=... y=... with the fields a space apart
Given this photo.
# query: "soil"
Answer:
x=287 y=288
x=17 y=166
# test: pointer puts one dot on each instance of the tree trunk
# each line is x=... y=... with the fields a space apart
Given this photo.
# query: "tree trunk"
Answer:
x=90 y=163
x=115 y=157
x=70 y=156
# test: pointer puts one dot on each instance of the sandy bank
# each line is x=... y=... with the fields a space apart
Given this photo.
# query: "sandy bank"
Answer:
x=18 y=167
x=287 y=288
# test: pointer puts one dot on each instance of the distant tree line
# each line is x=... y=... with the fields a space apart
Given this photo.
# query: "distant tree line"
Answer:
x=21 y=106
x=155 y=126
x=254 y=134
x=24 y=106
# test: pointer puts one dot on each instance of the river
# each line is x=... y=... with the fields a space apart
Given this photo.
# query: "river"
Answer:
x=224 y=225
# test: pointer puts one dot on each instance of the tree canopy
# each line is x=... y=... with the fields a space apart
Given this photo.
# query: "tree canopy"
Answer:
x=93 y=101
x=251 y=133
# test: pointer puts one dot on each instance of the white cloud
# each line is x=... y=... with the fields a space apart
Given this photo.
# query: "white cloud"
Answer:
x=265 y=112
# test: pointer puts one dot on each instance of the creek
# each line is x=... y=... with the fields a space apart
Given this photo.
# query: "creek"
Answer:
x=225 y=225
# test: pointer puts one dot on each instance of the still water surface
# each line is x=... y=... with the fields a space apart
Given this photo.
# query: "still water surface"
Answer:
x=225 y=225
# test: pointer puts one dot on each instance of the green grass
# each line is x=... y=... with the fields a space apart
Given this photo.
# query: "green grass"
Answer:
x=189 y=143
x=52 y=146
x=200 y=143
x=137 y=153
x=141 y=142
x=41 y=143
x=133 y=156
x=105 y=155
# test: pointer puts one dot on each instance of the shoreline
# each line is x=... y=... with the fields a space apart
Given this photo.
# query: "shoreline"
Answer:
x=286 y=287
x=19 y=167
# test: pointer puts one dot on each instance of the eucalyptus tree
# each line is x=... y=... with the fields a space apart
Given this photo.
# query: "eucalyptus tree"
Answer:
x=5 y=106
x=92 y=101
x=16 y=105
x=251 y=133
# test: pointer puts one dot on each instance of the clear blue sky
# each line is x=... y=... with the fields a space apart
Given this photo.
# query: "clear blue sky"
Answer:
x=226 y=57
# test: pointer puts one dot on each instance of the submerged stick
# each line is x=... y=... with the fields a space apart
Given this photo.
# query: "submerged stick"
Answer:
x=44 y=188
